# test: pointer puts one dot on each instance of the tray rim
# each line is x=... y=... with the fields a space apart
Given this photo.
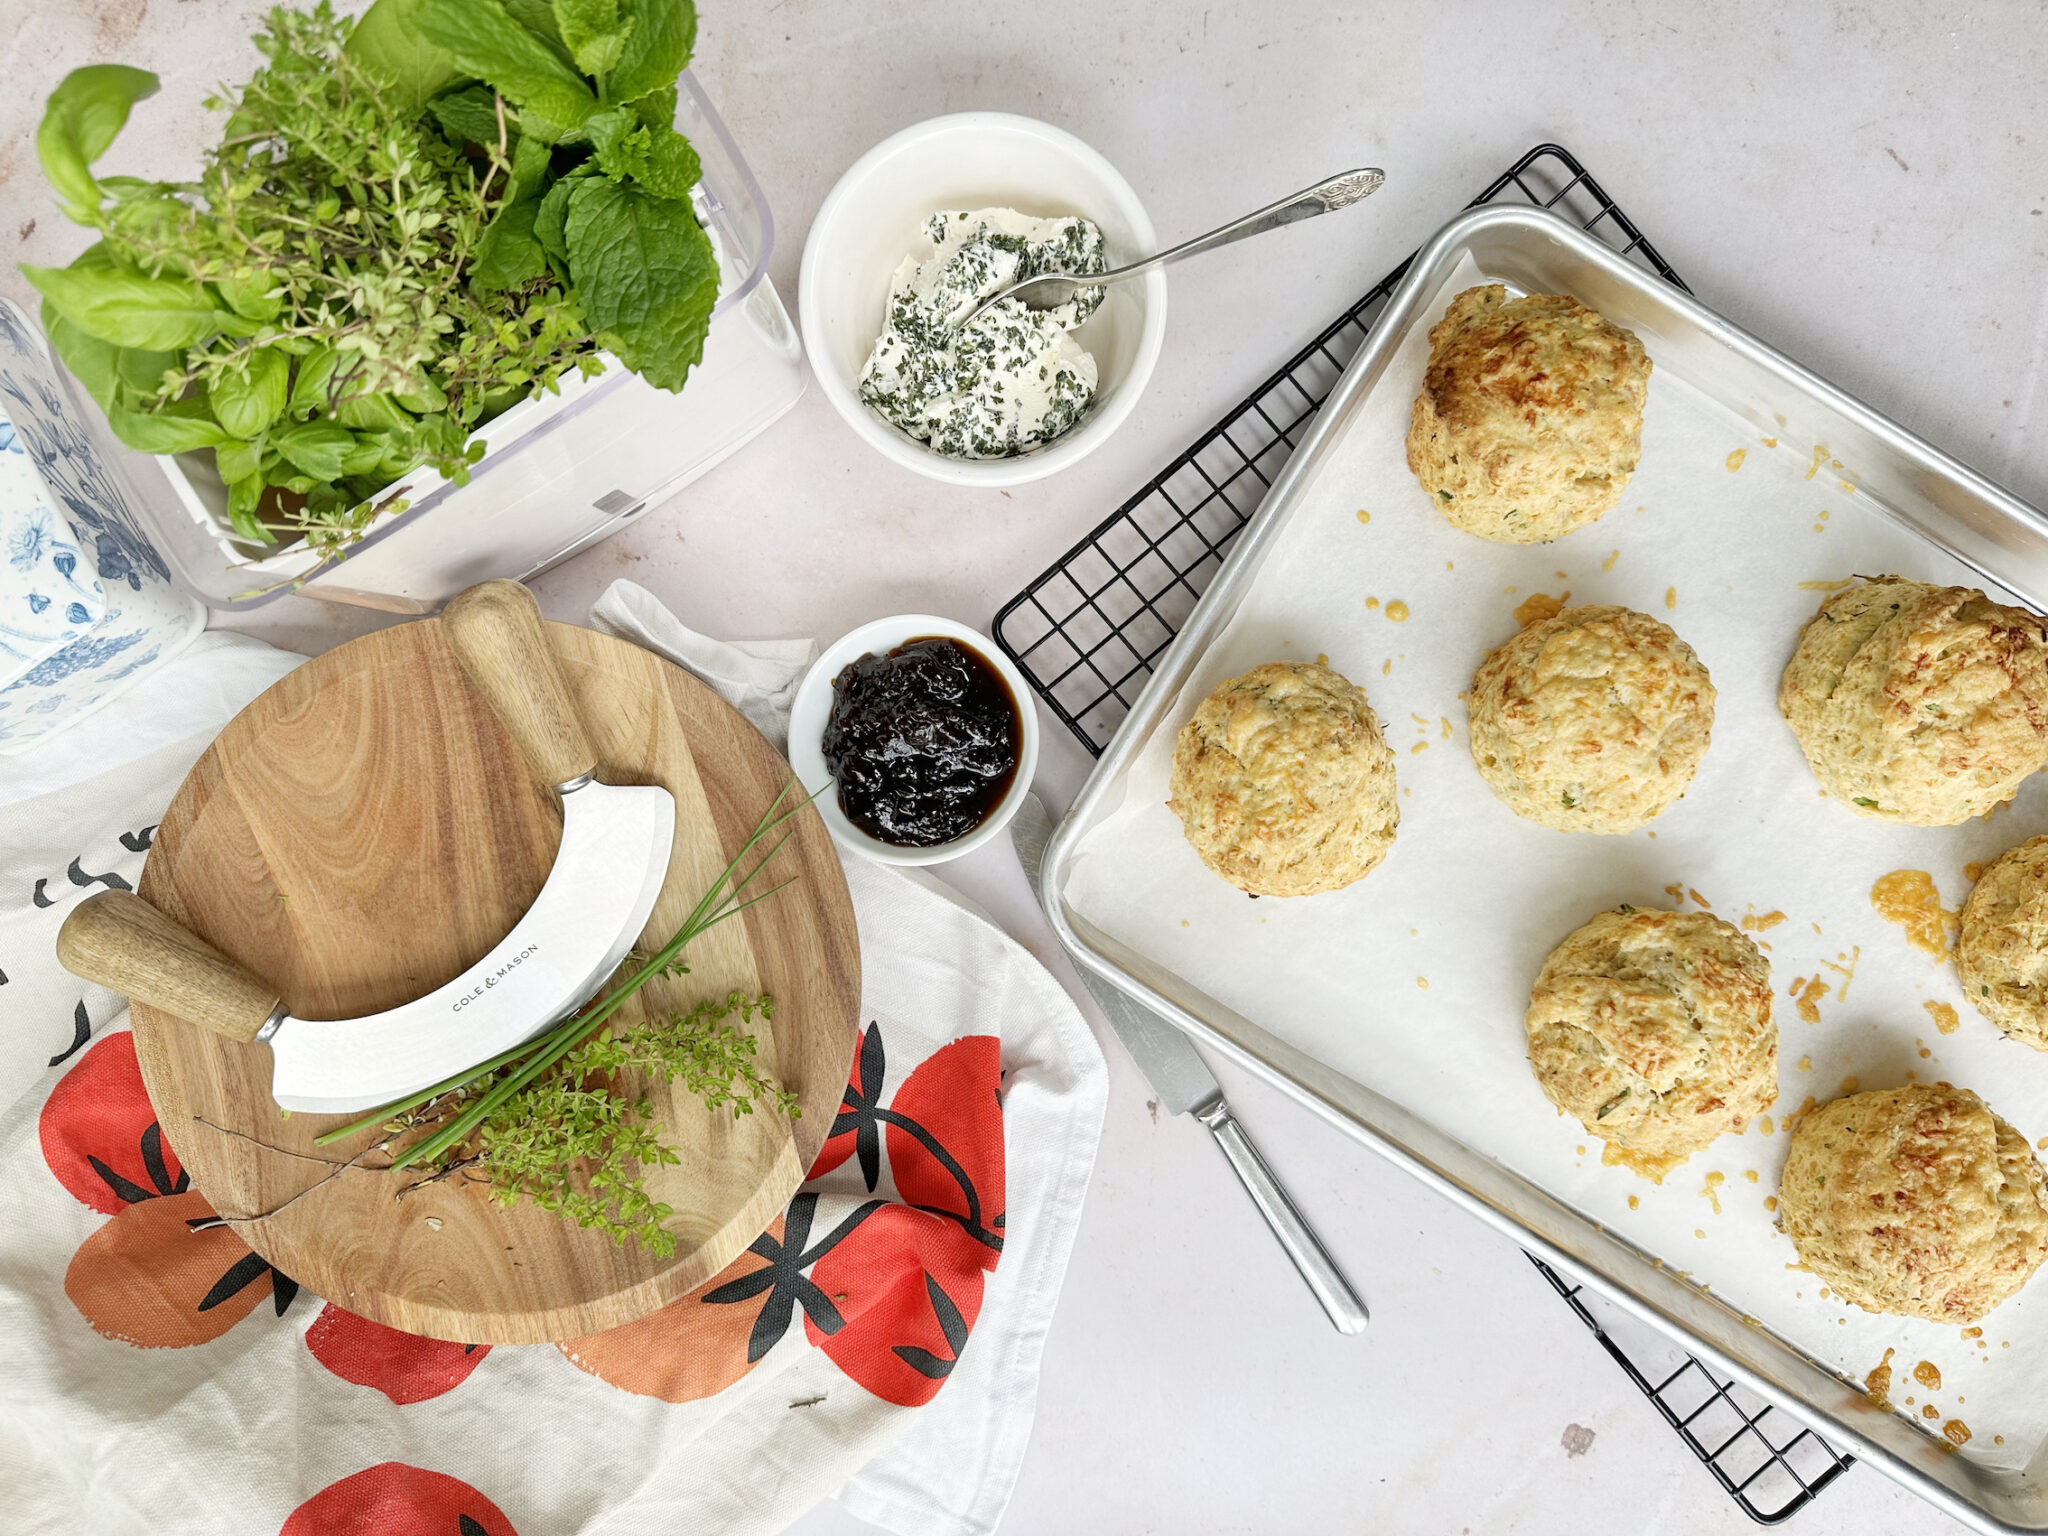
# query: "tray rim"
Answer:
x=1981 y=1497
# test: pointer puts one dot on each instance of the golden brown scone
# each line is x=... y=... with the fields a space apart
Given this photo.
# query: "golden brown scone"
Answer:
x=1283 y=782
x=1530 y=419
x=2002 y=955
x=1920 y=704
x=1591 y=721
x=1917 y=1201
x=1654 y=1029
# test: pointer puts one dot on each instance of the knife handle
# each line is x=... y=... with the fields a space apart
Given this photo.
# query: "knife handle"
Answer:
x=119 y=940
x=1310 y=1258
x=496 y=631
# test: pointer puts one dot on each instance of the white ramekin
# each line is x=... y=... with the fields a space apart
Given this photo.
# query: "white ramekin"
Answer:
x=813 y=707
x=874 y=218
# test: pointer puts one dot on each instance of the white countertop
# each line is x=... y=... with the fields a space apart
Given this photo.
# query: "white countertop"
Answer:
x=1862 y=185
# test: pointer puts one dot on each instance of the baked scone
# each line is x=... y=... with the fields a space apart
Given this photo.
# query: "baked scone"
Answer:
x=2002 y=954
x=1283 y=782
x=1917 y=1201
x=1530 y=419
x=1917 y=703
x=1654 y=1029
x=1591 y=721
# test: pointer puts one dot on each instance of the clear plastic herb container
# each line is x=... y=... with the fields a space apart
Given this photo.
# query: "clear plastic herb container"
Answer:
x=560 y=472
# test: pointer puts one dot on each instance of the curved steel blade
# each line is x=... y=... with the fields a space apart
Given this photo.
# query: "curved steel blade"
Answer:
x=606 y=876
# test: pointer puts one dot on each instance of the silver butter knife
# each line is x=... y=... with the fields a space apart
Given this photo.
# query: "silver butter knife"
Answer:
x=1186 y=1086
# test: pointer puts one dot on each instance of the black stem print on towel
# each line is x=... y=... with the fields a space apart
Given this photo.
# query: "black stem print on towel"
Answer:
x=783 y=1277
x=138 y=842
x=861 y=1111
x=81 y=1031
x=951 y=1323
x=77 y=875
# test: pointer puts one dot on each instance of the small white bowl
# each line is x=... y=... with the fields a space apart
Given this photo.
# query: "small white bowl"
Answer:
x=874 y=218
x=813 y=707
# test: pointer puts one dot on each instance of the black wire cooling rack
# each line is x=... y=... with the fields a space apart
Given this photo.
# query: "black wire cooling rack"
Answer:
x=1088 y=632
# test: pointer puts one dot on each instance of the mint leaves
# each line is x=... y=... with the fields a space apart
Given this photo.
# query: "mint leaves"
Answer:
x=646 y=274
x=411 y=222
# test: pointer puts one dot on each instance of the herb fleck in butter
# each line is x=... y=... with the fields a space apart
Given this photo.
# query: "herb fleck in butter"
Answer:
x=1011 y=379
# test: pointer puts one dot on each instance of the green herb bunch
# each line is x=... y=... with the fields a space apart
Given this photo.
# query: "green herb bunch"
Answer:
x=573 y=1142
x=557 y=1121
x=410 y=223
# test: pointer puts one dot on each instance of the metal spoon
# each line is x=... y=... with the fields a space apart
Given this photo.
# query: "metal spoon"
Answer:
x=1051 y=289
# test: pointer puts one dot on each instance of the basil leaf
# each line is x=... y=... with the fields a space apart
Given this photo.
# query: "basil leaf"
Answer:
x=644 y=270
x=92 y=362
x=238 y=460
x=657 y=49
x=468 y=116
x=321 y=448
x=253 y=296
x=488 y=43
x=249 y=398
x=243 y=497
x=387 y=43
x=83 y=114
x=373 y=412
x=158 y=314
x=595 y=33
x=369 y=450
x=314 y=379
x=660 y=159
x=150 y=432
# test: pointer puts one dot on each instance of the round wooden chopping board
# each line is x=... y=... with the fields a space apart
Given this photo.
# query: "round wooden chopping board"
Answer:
x=364 y=832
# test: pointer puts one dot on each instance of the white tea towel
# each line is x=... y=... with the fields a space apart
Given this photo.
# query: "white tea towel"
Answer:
x=953 y=1473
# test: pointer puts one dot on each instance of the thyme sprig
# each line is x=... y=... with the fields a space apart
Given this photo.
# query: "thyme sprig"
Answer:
x=547 y=1121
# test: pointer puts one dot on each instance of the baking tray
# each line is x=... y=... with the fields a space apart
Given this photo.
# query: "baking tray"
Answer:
x=1944 y=502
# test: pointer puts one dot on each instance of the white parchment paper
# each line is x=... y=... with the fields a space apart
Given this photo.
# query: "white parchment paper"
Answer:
x=1414 y=981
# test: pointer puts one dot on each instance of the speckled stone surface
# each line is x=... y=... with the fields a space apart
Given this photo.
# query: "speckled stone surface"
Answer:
x=1862 y=185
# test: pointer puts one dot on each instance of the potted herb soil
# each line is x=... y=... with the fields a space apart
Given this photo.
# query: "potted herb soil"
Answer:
x=425 y=242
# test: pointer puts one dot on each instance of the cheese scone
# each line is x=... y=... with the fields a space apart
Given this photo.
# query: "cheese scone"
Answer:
x=1917 y=1201
x=1283 y=782
x=1593 y=720
x=1530 y=419
x=2002 y=953
x=1654 y=1030
x=1919 y=704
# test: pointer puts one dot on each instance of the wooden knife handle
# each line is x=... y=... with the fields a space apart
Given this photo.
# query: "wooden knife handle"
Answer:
x=495 y=628
x=119 y=940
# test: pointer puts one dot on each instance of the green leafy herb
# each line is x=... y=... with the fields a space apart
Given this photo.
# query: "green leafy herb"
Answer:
x=554 y=1120
x=647 y=275
x=1569 y=803
x=375 y=259
x=1866 y=803
x=1610 y=1106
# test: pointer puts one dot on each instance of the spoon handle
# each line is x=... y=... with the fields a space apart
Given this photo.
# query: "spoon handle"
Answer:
x=1324 y=197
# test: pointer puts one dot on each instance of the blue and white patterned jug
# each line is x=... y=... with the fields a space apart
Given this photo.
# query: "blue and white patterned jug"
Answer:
x=87 y=606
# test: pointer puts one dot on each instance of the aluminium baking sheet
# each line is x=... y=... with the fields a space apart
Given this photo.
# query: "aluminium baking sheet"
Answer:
x=1413 y=982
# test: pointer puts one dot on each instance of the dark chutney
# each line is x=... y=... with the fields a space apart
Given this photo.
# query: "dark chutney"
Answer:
x=923 y=741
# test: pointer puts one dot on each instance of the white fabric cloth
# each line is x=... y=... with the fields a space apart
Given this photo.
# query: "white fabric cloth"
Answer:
x=278 y=1410
x=953 y=1472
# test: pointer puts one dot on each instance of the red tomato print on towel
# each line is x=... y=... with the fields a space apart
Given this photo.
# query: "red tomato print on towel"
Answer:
x=162 y=1273
x=165 y=1272
x=687 y=1349
x=888 y=1291
x=393 y=1499
x=404 y=1367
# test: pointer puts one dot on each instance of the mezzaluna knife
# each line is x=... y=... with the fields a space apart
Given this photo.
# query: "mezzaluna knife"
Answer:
x=1185 y=1085
x=607 y=874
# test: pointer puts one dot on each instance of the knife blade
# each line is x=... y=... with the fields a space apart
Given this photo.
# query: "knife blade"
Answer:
x=1185 y=1085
